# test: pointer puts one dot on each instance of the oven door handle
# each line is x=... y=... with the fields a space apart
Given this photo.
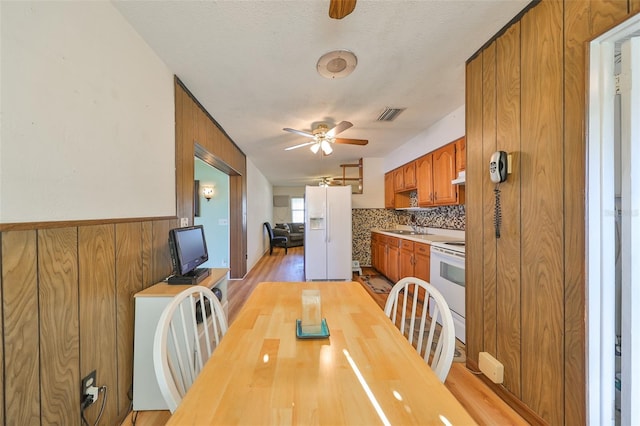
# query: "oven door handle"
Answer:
x=444 y=251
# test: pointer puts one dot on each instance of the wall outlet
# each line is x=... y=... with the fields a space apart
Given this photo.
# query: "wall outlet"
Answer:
x=184 y=221
x=88 y=390
x=491 y=367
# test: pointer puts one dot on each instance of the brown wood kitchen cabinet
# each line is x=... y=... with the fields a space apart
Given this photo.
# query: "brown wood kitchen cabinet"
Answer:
x=385 y=255
x=461 y=154
x=409 y=173
x=424 y=174
x=406 y=259
x=389 y=193
x=392 y=259
x=422 y=261
x=431 y=176
x=434 y=184
x=398 y=179
x=444 y=171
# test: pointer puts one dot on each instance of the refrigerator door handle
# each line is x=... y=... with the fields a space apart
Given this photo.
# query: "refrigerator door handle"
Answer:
x=328 y=234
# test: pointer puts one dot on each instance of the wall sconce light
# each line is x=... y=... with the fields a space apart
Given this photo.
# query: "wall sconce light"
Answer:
x=207 y=192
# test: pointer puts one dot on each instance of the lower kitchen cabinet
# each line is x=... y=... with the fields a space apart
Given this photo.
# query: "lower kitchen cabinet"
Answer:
x=385 y=255
x=422 y=261
x=407 y=259
x=396 y=258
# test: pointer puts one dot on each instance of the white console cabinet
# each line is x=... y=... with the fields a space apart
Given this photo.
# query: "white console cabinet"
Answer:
x=149 y=304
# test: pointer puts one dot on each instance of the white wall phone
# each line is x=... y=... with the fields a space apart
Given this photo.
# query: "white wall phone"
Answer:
x=498 y=173
x=498 y=167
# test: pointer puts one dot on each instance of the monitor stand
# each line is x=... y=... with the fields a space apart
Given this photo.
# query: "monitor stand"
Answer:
x=193 y=277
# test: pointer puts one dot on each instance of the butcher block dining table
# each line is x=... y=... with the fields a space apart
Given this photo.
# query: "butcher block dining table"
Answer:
x=364 y=373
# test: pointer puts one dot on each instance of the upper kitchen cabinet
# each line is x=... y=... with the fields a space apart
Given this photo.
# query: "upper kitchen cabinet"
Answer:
x=461 y=154
x=435 y=171
x=404 y=177
x=428 y=179
x=389 y=193
x=444 y=171
x=424 y=174
x=398 y=179
x=409 y=173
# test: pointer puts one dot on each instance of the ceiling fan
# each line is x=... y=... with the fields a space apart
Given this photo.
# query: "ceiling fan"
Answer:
x=323 y=137
x=338 y=9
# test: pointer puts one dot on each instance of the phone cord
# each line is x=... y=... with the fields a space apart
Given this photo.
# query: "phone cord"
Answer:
x=497 y=214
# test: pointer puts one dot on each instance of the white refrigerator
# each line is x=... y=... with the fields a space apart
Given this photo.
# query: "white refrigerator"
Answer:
x=327 y=233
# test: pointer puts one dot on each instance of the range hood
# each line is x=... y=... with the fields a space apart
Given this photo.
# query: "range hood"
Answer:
x=460 y=179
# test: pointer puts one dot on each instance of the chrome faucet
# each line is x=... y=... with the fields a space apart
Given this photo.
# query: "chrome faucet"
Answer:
x=413 y=224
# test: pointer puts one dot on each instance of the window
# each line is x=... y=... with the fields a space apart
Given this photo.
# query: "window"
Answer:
x=297 y=210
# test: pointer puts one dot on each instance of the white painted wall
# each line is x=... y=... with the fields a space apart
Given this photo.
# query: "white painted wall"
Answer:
x=87 y=116
x=448 y=129
x=372 y=196
x=259 y=210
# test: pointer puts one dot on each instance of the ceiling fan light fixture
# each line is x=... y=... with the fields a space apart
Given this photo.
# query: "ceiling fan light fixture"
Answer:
x=337 y=64
x=315 y=147
x=326 y=147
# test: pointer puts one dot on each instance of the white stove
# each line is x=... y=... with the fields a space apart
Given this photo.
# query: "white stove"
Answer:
x=448 y=276
x=457 y=246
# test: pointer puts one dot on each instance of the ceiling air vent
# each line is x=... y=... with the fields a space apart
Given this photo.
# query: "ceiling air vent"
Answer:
x=390 y=114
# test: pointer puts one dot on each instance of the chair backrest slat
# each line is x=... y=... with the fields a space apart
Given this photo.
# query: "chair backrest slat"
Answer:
x=429 y=316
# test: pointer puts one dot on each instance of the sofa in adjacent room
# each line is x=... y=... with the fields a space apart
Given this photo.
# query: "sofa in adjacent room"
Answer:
x=293 y=231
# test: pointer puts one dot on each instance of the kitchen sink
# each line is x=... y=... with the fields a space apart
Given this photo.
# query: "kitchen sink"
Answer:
x=404 y=232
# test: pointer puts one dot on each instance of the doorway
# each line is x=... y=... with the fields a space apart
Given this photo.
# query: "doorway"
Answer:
x=212 y=211
x=613 y=227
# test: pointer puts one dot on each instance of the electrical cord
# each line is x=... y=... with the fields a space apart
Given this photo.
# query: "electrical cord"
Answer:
x=88 y=400
x=497 y=214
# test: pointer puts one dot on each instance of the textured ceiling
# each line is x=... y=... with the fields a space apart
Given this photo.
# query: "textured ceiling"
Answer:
x=252 y=65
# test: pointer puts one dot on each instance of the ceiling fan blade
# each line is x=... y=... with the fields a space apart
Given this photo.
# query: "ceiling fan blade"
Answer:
x=340 y=127
x=299 y=132
x=338 y=9
x=300 y=145
x=351 y=141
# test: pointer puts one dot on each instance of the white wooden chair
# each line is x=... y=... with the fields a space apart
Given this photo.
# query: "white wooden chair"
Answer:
x=185 y=337
x=419 y=328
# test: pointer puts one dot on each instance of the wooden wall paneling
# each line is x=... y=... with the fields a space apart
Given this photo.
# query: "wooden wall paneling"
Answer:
x=129 y=264
x=194 y=124
x=542 y=211
x=489 y=147
x=161 y=258
x=21 y=328
x=473 y=207
x=59 y=325
x=606 y=13
x=576 y=34
x=508 y=245
x=2 y=380
x=237 y=250
x=178 y=95
x=97 y=291
x=185 y=150
x=147 y=254
x=634 y=6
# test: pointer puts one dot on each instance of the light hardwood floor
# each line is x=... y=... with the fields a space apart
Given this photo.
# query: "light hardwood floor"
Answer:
x=481 y=403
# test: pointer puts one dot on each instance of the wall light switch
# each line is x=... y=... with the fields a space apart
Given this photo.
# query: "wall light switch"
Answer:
x=184 y=221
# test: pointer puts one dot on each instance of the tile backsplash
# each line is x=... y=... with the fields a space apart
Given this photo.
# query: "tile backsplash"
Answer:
x=363 y=220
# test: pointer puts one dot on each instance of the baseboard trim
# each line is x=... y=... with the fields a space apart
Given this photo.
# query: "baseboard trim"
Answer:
x=520 y=407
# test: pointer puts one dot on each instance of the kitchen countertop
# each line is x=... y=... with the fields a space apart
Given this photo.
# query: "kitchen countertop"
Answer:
x=432 y=235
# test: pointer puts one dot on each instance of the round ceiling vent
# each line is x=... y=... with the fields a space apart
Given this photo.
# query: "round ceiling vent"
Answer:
x=337 y=64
